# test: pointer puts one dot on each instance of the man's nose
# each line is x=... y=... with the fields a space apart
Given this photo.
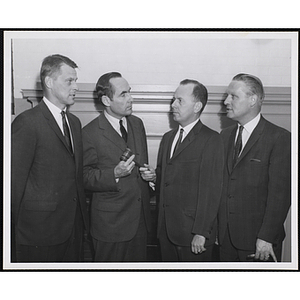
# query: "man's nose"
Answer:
x=226 y=101
x=174 y=102
x=75 y=86
x=130 y=97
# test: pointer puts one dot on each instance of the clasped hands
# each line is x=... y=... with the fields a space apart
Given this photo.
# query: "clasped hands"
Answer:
x=124 y=168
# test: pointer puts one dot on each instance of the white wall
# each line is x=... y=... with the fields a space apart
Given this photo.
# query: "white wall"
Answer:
x=157 y=58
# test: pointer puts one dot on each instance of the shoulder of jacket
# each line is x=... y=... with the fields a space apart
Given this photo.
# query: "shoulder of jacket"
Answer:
x=276 y=129
x=75 y=118
x=91 y=124
x=169 y=133
x=134 y=118
x=209 y=130
x=29 y=115
x=227 y=129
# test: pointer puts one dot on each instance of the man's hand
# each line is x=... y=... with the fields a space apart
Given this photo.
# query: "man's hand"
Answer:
x=264 y=250
x=148 y=173
x=124 y=168
x=197 y=244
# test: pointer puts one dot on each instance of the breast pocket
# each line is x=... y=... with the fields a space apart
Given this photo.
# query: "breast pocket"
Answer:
x=258 y=175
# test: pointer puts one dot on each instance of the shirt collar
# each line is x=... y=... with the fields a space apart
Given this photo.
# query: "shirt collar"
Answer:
x=188 y=127
x=114 y=121
x=250 y=126
x=53 y=108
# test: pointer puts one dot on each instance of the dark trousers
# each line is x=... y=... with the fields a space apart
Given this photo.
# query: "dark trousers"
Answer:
x=134 y=250
x=69 y=251
x=229 y=253
x=174 y=253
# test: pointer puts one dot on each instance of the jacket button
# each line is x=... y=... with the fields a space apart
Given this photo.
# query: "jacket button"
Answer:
x=74 y=199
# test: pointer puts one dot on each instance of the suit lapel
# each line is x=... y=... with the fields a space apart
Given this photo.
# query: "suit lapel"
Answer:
x=135 y=140
x=257 y=132
x=53 y=124
x=171 y=139
x=109 y=132
x=75 y=137
x=133 y=132
x=230 y=149
x=188 y=139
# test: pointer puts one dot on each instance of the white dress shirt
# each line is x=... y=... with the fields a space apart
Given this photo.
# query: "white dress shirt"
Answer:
x=186 y=131
x=56 y=112
x=247 y=131
x=115 y=122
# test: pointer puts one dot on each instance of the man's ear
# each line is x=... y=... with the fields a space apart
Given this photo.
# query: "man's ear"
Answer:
x=253 y=100
x=48 y=82
x=105 y=100
x=198 y=106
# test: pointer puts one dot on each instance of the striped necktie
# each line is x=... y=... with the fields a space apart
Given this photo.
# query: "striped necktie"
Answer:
x=238 y=146
x=66 y=129
x=123 y=131
x=178 y=141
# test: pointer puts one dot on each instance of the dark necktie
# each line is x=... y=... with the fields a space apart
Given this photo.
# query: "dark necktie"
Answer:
x=123 y=131
x=238 y=146
x=178 y=141
x=66 y=131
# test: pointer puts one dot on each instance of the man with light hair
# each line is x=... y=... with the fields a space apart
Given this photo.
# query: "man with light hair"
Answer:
x=257 y=177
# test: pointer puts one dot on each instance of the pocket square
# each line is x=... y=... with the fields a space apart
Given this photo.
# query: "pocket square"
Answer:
x=255 y=159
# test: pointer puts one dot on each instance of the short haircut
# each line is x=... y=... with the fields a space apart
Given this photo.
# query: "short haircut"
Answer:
x=253 y=83
x=104 y=87
x=51 y=66
x=199 y=91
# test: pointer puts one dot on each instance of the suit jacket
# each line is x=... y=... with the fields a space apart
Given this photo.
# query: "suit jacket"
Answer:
x=189 y=185
x=47 y=181
x=116 y=206
x=257 y=190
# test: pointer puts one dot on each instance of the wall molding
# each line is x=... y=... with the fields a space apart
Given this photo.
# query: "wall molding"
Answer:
x=162 y=94
x=152 y=105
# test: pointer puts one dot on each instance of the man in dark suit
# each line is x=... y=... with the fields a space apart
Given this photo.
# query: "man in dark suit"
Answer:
x=257 y=183
x=189 y=180
x=120 y=207
x=48 y=200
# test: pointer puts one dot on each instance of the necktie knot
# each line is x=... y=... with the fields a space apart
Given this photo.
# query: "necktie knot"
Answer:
x=241 y=129
x=181 y=133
